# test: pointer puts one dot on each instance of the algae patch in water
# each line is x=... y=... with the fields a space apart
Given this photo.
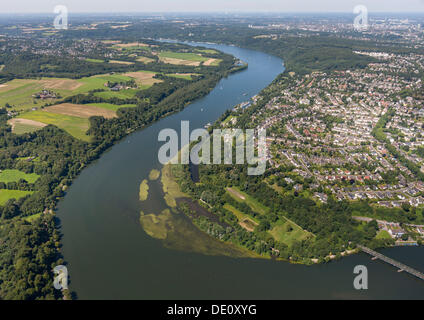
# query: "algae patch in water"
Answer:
x=157 y=226
x=144 y=190
x=170 y=186
x=154 y=175
x=178 y=233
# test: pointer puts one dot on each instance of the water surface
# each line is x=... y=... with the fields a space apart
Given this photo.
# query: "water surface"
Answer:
x=111 y=257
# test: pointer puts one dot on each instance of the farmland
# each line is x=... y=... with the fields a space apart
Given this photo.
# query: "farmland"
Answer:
x=19 y=92
x=145 y=60
x=20 y=126
x=181 y=58
x=75 y=126
x=110 y=106
x=144 y=78
x=185 y=76
x=72 y=118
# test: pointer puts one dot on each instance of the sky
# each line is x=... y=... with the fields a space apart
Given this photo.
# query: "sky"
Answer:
x=91 y=6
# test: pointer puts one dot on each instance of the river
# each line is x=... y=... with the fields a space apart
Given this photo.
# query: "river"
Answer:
x=110 y=256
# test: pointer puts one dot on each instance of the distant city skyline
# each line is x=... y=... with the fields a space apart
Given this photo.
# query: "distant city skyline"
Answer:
x=125 y=6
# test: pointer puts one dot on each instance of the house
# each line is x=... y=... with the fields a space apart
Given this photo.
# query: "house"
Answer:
x=396 y=232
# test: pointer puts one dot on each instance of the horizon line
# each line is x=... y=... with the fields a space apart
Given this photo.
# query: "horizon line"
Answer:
x=213 y=12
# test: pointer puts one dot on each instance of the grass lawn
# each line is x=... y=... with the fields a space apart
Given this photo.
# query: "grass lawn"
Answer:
x=15 y=175
x=110 y=106
x=121 y=62
x=181 y=76
x=94 y=60
x=21 y=128
x=6 y=195
x=145 y=60
x=182 y=56
x=215 y=62
x=250 y=201
x=288 y=232
x=33 y=217
x=247 y=222
x=75 y=126
x=123 y=94
x=383 y=234
x=209 y=51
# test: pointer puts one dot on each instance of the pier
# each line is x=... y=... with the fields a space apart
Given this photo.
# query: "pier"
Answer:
x=394 y=263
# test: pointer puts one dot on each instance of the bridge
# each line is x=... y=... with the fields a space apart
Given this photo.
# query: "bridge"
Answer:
x=394 y=263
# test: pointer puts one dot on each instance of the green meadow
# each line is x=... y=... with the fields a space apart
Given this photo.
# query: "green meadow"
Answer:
x=208 y=51
x=6 y=195
x=12 y=175
x=21 y=128
x=250 y=201
x=112 y=107
x=94 y=60
x=383 y=234
x=240 y=215
x=75 y=126
x=181 y=76
x=123 y=94
x=183 y=56
x=32 y=217
x=288 y=232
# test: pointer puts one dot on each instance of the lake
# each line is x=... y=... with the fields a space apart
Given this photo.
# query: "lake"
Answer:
x=110 y=256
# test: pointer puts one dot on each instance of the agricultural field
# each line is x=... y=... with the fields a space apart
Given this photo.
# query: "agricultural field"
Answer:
x=12 y=175
x=121 y=62
x=21 y=126
x=207 y=51
x=122 y=94
x=181 y=58
x=145 y=60
x=72 y=118
x=110 y=106
x=94 y=60
x=75 y=126
x=212 y=62
x=185 y=76
x=19 y=92
x=6 y=195
x=131 y=45
x=144 y=79
x=80 y=110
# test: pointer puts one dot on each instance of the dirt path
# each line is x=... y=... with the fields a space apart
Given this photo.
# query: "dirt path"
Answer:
x=237 y=194
x=15 y=121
